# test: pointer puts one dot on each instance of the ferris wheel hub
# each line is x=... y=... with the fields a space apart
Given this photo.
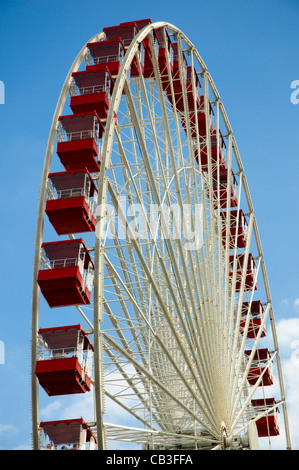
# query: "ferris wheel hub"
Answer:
x=249 y=440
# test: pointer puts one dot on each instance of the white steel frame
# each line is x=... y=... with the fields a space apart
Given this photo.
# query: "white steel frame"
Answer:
x=165 y=319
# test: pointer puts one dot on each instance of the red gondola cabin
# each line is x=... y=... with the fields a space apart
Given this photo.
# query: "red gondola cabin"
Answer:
x=64 y=363
x=202 y=125
x=255 y=311
x=148 y=68
x=69 y=434
x=249 y=272
x=237 y=229
x=79 y=141
x=221 y=183
x=165 y=51
x=217 y=153
x=91 y=91
x=71 y=204
x=127 y=32
x=145 y=48
x=106 y=54
x=260 y=365
x=176 y=76
x=192 y=95
x=268 y=424
x=66 y=274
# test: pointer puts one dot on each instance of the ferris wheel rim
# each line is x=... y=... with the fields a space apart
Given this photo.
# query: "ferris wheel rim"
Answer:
x=40 y=229
x=107 y=146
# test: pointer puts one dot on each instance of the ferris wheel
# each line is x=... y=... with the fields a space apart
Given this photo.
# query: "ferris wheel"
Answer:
x=156 y=253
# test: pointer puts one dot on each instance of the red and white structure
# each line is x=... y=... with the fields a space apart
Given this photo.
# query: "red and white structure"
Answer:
x=150 y=289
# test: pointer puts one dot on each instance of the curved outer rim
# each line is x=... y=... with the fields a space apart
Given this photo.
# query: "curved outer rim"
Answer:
x=39 y=235
x=102 y=188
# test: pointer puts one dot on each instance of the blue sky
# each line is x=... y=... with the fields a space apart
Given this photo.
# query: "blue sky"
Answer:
x=250 y=49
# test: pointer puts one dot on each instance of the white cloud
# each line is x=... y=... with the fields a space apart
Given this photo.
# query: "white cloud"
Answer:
x=288 y=337
x=68 y=407
x=287 y=332
x=48 y=413
x=77 y=406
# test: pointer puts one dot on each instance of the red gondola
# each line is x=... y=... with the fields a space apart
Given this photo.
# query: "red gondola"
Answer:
x=221 y=184
x=127 y=31
x=148 y=69
x=79 y=140
x=249 y=273
x=255 y=311
x=69 y=434
x=217 y=154
x=64 y=363
x=91 y=91
x=71 y=204
x=66 y=273
x=198 y=122
x=192 y=95
x=176 y=76
x=260 y=365
x=165 y=49
x=268 y=424
x=106 y=54
x=237 y=229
